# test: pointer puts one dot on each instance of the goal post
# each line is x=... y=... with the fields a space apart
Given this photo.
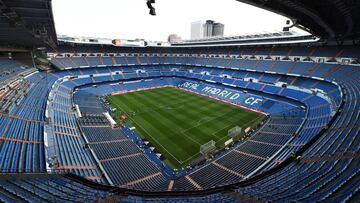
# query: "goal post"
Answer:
x=207 y=147
x=235 y=131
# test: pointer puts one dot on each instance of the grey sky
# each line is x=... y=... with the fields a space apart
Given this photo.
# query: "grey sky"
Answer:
x=129 y=19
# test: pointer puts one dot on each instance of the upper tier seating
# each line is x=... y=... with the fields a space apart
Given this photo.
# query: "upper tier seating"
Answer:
x=9 y=68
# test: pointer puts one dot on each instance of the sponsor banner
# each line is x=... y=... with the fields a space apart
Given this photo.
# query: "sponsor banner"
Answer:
x=243 y=100
x=139 y=89
x=232 y=96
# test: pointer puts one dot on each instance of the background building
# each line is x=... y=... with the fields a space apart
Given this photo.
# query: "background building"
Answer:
x=208 y=29
x=197 y=30
x=218 y=29
x=174 y=38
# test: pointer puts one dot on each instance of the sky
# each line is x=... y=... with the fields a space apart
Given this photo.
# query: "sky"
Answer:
x=130 y=19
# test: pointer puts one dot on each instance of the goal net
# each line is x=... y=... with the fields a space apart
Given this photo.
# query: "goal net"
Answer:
x=235 y=131
x=207 y=147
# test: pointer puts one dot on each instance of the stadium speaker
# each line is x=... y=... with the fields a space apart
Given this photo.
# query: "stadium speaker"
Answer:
x=148 y=3
x=152 y=12
x=152 y=9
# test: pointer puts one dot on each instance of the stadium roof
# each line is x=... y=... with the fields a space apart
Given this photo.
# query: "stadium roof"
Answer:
x=328 y=19
x=27 y=23
x=30 y=23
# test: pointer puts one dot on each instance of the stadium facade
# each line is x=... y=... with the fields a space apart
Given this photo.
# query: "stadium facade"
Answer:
x=59 y=141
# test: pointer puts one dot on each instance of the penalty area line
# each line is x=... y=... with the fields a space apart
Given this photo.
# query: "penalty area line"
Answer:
x=151 y=136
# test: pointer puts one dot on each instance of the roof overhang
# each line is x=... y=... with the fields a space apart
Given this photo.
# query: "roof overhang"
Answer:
x=27 y=23
x=327 y=19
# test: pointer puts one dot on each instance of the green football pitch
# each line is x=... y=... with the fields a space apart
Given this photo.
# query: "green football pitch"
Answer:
x=177 y=122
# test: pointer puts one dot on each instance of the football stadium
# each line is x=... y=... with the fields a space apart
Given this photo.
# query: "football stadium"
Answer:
x=271 y=117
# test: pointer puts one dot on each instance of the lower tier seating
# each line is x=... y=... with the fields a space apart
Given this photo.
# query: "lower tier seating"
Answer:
x=46 y=188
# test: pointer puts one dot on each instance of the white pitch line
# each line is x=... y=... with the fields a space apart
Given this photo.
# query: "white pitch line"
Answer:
x=155 y=139
x=182 y=161
x=198 y=124
x=149 y=109
x=152 y=137
x=213 y=118
x=164 y=107
x=233 y=124
x=214 y=133
x=183 y=133
x=190 y=157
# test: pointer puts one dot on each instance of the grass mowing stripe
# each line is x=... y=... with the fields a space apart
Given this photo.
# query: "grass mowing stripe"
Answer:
x=166 y=126
x=156 y=101
x=203 y=126
x=155 y=131
x=149 y=135
x=177 y=122
x=181 y=114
